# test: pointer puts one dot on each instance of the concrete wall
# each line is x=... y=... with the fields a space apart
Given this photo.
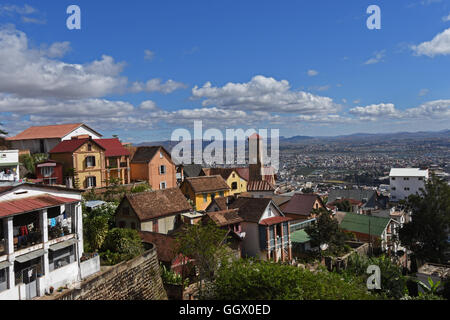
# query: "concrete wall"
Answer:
x=401 y=185
x=89 y=267
x=137 y=279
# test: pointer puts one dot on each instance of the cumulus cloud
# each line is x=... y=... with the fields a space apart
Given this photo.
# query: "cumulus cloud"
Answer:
x=437 y=109
x=148 y=105
x=377 y=57
x=30 y=72
x=312 y=73
x=446 y=18
x=439 y=45
x=24 y=12
x=263 y=94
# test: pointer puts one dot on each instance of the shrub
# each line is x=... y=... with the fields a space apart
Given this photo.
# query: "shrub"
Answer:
x=251 y=280
x=121 y=245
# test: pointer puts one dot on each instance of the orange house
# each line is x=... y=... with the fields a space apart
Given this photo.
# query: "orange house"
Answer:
x=154 y=165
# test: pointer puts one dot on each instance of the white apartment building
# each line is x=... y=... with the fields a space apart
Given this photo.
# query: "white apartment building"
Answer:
x=41 y=240
x=9 y=166
x=406 y=181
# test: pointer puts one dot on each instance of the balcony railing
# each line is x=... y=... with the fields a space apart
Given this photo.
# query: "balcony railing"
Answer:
x=26 y=241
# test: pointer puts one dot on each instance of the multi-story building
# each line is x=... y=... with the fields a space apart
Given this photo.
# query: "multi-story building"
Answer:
x=406 y=181
x=155 y=166
x=202 y=190
x=41 y=239
x=42 y=139
x=9 y=166
x=92 y=162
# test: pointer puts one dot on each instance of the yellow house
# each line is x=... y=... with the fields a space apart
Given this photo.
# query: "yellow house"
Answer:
x=236 y=183
x=85 y=157
x=202 y=190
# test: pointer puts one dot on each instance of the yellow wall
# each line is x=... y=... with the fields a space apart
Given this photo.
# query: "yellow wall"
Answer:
x=241 y=183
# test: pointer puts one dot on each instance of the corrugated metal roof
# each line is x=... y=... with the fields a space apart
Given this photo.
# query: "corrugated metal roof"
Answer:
x=13 y=207
x=300 y=236
x=360 y=223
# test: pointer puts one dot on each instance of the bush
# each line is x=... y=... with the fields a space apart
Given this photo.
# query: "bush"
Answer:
x=141 y=188
x=121 y=245
x=251 y=280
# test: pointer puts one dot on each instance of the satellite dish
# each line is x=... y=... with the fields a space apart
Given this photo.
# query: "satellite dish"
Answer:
x=323 y=246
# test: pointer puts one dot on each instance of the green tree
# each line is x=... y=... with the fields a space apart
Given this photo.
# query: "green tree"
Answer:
x=427 y=234
x=2 y=132
x=143 y=187
x=114 y=191
x=261 y=280
x=95 y=231
x=326 y=230
x=120 y=245
x=344 y=205
x=205 y=243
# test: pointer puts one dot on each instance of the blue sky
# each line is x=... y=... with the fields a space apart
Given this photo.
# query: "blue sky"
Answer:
x=141 y=69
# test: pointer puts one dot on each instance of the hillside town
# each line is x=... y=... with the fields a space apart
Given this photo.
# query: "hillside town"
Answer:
x=71 y=199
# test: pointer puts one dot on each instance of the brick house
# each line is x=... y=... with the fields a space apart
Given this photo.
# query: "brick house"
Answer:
x=49 y=172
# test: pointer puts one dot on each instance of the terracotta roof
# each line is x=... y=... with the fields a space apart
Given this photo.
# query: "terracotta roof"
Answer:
x=70 y=145
x=47 y=132
x=207 y=184
x=155 y=204
x=250 y=209
x=260 y=185
x=221 y=202
x=244 y=173
x=165 y=245
x=113 y=147
x=301 y=204
x=274 y=220
x=18 y=206
x=225 y=218
x=224 y=172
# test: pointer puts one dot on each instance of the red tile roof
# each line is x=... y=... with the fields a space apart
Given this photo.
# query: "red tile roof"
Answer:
x=47 y=132
x=113 y=147
x=274 y=220
x=244 y=173
x=68 y=145
x=207 y=184
x=165 y=245
x=14 y=207
x=225 y=218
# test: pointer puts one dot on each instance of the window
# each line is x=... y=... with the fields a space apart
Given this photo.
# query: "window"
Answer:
x=161 y=155
x=162 y=169
x=405 y=179
x=91 y=182
x=420 y=179
x=213 y=195
x=47 y=171
x=122 y=224
x=155 y=226
x=393 y=188
x=162 y=185
x=3 y=280
x=234 y=186
x=221 y=193
x=90 y=161
x=205 y=198
x=133 y=225
x=393 y=178
x=89 y=147
x=406 y=189
x=61 y=258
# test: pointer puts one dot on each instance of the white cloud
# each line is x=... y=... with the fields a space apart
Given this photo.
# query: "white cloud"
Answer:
x=446 y=18
x=29 y=72
x=378 y=57
x=25 y=10
x=437 y=109
x=423 y=92
x=154 y=85
x=148 y=105
x=263 y=94
x=149 y=55
x=439 y=45
x=312 y=73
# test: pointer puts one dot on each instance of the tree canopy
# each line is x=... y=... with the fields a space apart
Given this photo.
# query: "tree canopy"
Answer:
x=427 y=234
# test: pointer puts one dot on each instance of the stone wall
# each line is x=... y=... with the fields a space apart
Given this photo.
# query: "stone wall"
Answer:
x=137 y=279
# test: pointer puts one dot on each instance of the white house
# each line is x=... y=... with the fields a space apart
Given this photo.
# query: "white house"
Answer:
x=9 y=166
x=41 y=240
x=406 y=181
x=42 y=139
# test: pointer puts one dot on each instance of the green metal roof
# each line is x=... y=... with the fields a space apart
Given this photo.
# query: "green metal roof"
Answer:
x=300 y=236
x=360 y=223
